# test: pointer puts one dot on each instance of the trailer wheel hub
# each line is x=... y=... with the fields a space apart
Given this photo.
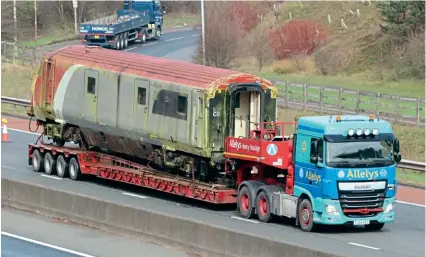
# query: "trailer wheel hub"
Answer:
x=245 y=202
x=263 y=206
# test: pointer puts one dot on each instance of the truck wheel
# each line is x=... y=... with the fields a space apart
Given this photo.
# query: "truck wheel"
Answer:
x=74 y=169
x=49 y=164
x=375 y=227
x=61 y=167
x=157 y=33
x=263 y=207
x=306 y=216
x=244 y=202
x=143 y=39
x=117 y=43
x=37 y=160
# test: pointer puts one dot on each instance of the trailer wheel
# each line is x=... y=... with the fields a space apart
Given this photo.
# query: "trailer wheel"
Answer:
x=49 y=164
x=122 y=41
x=117 y=43
x=263 y=207
x=37 y=161
x=74 y=169
x=61 y=167
x=244 y=203
x=126 y=40
x=306 y=216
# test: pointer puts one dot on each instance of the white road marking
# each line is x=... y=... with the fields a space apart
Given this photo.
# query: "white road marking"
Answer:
x=135 y=195
x=129 y=49
x=176 y=38
x=23 y=131
x=196 y=35
x=46 y=244
x=9 y=168
x=365 y=246
x=153 y=43
x=413 y=204
x=52 y=177
x=239 y=218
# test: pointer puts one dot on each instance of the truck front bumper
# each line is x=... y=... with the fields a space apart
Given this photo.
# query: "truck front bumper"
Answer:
x=335 y=216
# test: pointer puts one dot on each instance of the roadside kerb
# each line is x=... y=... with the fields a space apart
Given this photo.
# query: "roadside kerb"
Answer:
x=188 y=235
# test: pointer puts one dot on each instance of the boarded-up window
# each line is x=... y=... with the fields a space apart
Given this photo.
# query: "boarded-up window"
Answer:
x=200 y=107
x=141 y=95
x=91 y=85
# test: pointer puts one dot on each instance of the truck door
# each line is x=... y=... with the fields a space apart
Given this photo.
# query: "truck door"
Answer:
x=197 y=118
x=91 y=87
x=307 y=175
x=141 y=103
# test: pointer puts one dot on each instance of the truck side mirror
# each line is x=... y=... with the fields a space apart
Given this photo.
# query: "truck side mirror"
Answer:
x=396 y=150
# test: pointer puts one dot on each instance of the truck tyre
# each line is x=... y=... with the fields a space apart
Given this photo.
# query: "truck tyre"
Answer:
x=375 y=227
x=49 y=164
x=306 y=216
x=157 y=33
x=263 y=207
x=244 y=203
x=74 y=169
x=38 y=161
x=117 y=43
x=143 y=39
x=61 y=167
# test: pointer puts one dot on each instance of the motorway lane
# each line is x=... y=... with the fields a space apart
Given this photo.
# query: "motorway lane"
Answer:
x=31 y=235
x=405 y=237
x=179 y=46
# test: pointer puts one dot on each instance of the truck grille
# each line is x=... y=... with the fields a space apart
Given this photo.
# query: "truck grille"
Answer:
x=362 y=203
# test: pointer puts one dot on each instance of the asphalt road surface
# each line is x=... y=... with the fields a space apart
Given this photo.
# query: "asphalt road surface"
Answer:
x=405 y=237
x=26 y=234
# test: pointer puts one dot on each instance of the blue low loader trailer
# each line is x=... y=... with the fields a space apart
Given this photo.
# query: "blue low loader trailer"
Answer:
x=137 y=22
x=333 y=170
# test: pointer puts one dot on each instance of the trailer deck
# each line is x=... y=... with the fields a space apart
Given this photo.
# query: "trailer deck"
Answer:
x=109 y=167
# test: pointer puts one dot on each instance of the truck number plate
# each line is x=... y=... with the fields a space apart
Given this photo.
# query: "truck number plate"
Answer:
x=361 y=222
x=96 y=36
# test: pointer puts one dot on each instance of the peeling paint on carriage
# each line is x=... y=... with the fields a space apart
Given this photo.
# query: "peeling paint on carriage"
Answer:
x=169 y=112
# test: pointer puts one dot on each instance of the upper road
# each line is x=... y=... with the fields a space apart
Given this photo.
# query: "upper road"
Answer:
x=31 y=235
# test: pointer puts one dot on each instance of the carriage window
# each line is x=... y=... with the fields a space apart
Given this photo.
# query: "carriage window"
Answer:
x=91 y=85
x=182 y=103
x=141 y=95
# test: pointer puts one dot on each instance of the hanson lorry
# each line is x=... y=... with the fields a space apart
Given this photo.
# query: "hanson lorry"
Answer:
x=209 y=134
x=138 y=21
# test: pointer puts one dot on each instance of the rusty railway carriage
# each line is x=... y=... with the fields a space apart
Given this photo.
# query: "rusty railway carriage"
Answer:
x=172 y=114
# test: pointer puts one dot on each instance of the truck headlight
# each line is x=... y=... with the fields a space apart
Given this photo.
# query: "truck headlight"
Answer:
x=331 y=209
x=389 y=208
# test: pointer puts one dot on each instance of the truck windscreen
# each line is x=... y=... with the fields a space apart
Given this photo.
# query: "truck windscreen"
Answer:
x=359 y=154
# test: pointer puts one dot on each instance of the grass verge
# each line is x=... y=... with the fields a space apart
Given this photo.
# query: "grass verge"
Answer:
x=173 y=20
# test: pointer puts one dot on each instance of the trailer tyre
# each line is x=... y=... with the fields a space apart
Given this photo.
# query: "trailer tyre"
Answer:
x=75 y=173
x=263 y=207
x=122 y=41
x=306 y=216
x=245 y=203
x=61 y=167
x=37 y=161
x=117 y=43
x=126 y=40
x=49 y=164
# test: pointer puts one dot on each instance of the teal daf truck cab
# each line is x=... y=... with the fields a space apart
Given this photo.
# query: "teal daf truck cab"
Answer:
x=346 y=165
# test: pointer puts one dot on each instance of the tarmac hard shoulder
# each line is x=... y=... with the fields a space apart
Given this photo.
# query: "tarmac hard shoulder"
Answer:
x=404 y=193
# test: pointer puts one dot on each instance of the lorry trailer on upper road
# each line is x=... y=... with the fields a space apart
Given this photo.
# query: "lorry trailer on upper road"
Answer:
x=137 y=22
x=209 y=134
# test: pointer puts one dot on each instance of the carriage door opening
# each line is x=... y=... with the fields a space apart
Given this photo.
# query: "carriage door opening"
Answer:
x=247 y=113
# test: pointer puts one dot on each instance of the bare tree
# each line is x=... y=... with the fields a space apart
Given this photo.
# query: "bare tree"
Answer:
x=221 y=37
x=259 y=46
